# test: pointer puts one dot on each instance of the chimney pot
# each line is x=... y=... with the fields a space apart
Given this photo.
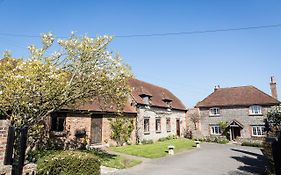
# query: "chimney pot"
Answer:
x=217 y=87
x=273 y=87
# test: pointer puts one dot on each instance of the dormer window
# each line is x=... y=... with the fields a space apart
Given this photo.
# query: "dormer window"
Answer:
x=255 y=110
x=214 y=112
x=168 y=103
x=146 y=100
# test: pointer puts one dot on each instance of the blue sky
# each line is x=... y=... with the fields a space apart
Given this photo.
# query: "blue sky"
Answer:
x=188 y=65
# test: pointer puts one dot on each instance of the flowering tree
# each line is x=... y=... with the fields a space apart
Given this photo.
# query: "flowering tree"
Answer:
x=34 y=87
x=274 y=117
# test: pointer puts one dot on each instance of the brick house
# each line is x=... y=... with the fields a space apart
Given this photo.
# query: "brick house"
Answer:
x=156 y=113
x=244 y=109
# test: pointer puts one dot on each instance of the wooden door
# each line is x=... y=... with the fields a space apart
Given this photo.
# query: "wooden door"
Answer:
x=178 y=127
x=96 y=130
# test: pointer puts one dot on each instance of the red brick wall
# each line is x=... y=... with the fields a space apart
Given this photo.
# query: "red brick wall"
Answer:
x=76 y=121
x=4 y=125
x=106 y=131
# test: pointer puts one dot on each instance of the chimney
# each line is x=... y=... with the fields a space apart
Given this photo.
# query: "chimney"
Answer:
x=217 y=87
x=273 y=87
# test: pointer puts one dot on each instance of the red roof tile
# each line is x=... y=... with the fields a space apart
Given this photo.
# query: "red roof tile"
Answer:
x=157 y=94
x=97 y=106
x=237 y=96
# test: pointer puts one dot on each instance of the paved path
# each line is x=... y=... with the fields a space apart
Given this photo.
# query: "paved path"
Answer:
x=210 y=159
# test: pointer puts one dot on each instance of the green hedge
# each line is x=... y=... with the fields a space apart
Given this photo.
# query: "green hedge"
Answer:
x=69 y=163
x=252 y=144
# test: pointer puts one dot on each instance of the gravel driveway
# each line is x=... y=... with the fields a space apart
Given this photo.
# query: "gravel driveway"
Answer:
x=210 y=159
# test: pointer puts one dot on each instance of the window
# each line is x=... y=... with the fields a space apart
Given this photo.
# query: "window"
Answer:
x=146 y=125
x=58 y=121
x=158 y=124
x=214 y=112
x=146 y=100
x=255 y=110
x=168 y=124
x=215 y=130
x=258 y=131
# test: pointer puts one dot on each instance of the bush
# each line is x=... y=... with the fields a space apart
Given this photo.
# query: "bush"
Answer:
x=217 y=139
x=69 y=163
x=171 y=137
x=188 y=134
x=252 y=144
x=35 y=155
x=144 y=142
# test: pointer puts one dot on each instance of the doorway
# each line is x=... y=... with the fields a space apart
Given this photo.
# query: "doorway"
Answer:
x=235 y=128
x=235 y=132
x=96 y=130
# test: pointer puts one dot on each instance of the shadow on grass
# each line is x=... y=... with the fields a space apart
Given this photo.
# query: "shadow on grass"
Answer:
x=253 y=163
x=101 y=154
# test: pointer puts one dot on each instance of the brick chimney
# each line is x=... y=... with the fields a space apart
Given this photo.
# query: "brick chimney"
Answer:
x=217 y=87
x=273 y=87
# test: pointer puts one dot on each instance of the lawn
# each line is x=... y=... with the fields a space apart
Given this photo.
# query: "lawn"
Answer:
x=119 y=162
x=114 y=161
x=155 y=150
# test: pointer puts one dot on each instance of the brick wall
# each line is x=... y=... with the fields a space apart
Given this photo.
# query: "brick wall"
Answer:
x=4 y=125
x=106 y=131
x=79 y=121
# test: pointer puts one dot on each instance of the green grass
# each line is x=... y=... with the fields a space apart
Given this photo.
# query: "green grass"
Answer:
x=119 y=162
x=156 y=150
x=113 y=161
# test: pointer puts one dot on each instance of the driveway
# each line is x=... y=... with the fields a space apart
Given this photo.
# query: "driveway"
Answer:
x=210 y=159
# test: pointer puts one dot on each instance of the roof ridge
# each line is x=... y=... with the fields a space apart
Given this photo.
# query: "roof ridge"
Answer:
x=236 y=87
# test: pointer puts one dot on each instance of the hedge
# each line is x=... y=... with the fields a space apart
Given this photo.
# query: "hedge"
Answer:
x=69 y=163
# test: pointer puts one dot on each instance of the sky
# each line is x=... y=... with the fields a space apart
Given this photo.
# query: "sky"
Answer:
x=188 y=65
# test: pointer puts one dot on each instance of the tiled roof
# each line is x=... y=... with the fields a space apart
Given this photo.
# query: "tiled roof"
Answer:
x=237 y=96
x=158 y=95
x=97 y=106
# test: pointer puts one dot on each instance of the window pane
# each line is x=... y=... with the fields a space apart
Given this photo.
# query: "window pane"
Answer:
x=254 y=130
x=146 y=125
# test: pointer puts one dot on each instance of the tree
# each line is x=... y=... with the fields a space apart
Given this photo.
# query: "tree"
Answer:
x=122 y=128
x=224 y=129
x=81 y=70
x=194 y=117
x=274 y=117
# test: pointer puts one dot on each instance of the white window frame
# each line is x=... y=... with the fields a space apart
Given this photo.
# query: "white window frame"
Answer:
x=215 y=130
x=258 y=131
x=255 y=110
x=144 y=125
x=214 y=111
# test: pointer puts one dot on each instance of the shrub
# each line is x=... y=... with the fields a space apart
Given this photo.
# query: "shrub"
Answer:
x=69 y=163
x=252 y=144
x=171 y=137
x=34 y=156
x=144 y=142
x=188 y=134
x=217 y=139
